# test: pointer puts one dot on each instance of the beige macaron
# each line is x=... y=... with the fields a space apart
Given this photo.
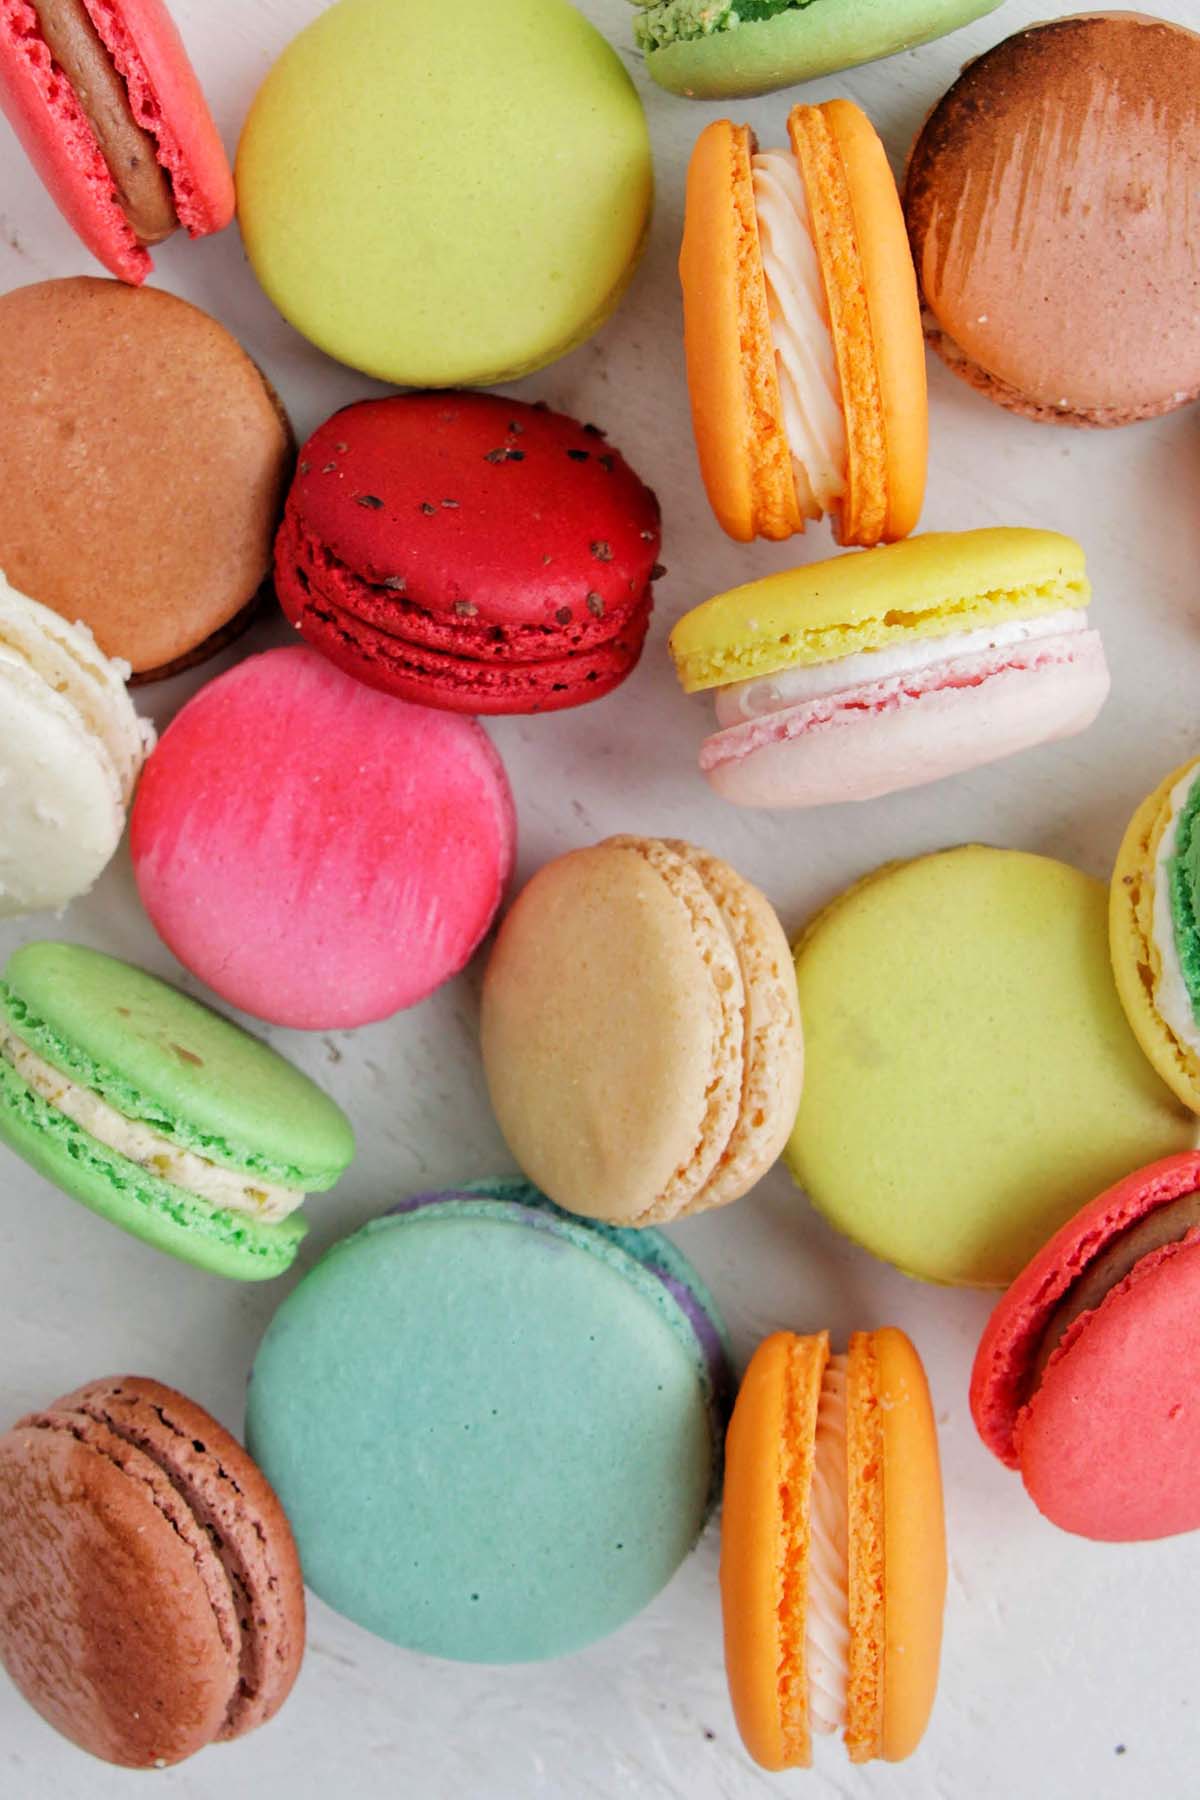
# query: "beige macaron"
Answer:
x=641 y=1032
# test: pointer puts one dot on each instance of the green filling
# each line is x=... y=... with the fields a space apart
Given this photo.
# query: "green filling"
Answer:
x=125 y=1099
x=1183 y=874
x=683 y=21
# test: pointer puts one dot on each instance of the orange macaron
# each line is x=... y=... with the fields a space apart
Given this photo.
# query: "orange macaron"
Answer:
x=805 y=356
x=833 y=1549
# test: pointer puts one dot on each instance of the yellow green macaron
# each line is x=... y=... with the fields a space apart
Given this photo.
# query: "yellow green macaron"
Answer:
x=1154 y=929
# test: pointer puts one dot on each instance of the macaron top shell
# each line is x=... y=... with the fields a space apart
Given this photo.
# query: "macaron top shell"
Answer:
x=428 y=279
x=158 y=1056
x=1071 y=147
x=1033 y=1083
x=562 y=1412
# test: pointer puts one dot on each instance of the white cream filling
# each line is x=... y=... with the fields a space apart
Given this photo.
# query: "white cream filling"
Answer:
x=810 y=389
x=1171 y=996
x=827 y=1614
x=766 y=694
x=223 y=1188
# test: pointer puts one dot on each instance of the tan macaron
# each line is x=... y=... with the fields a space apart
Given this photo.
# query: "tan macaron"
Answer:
x=641 y=1032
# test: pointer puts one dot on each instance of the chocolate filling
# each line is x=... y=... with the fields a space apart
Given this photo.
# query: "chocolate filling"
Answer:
x=1165 y=1225
x=130 y=153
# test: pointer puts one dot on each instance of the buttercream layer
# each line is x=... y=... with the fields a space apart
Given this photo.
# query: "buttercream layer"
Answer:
x=1176 y=916
x=196 y=1175
x=827 y=1614
x=809 y=386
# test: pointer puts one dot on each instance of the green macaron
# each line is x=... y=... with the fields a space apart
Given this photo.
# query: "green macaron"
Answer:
x=714 y=49
x=160 y=1115
x=446 y=194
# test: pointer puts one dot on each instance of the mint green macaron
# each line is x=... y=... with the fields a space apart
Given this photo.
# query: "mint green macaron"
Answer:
x=446 y=192
x=716 y=49
x=159 y=1115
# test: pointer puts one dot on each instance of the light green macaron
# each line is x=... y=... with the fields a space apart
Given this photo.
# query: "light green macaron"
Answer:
x=446 y=192
x=160 y=1115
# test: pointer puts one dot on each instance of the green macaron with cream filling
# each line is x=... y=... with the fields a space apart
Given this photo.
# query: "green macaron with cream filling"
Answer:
x=160 y=1115
x=716 y=49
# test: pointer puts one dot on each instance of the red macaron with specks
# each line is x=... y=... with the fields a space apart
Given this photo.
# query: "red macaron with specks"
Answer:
x=108 y=107
x=469 y=552
x=1087 y=1378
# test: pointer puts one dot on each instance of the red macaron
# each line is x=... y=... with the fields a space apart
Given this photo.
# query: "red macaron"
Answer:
x=469 y=552
x=108 y=107
x=1087 y=1378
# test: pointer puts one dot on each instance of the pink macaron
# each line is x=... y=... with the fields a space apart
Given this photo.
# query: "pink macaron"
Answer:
x=108 y=107
x=319 y=854
x=1087 y=1378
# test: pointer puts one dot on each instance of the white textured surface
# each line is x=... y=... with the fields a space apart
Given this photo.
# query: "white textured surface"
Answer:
x=1057 y=1652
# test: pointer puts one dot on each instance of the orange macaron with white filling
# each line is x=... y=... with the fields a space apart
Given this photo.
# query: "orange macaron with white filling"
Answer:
x=833 y=1549
x=805 y=357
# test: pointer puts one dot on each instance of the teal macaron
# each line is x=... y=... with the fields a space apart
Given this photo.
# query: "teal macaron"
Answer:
x=496 y=1428
x=716 y=49
x=160 y=1115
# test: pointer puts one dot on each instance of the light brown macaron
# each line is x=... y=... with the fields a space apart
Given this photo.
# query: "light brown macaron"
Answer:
x=143 y=463
x=641 y=1032
x=1051 y=201
x=151 y=1600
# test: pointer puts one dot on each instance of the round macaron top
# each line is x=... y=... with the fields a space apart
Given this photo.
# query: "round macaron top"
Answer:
x=485 y=512
x=143 y=460
x=563 y=1416
x=151 y=1600
x=320 y=854
x=1033 y=1082
x=1071 y=149
x=157 y=1056
x=517 y=197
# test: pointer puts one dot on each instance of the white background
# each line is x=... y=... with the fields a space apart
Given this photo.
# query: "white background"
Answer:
x=1057 y=1652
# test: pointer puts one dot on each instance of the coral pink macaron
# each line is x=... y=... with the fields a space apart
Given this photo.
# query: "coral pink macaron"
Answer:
x=319 y=854
x=108 y=107
x=1087 y=1378
x=470 y=552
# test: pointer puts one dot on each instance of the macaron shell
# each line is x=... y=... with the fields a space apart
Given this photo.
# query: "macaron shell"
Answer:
x=803 y=44
x=866 y=1475
x=95 y=1561
x=914 y=1543
x=1135 y=958
x=60 y=143
x=1012 y=1338
x=1009 y=952
x=165 y=1217
x=770 y=1451
x=737 y=415
x=896 y=734
x=1109 y=1444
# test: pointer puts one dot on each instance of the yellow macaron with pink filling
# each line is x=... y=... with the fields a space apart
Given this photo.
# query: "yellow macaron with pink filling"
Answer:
x=805 y=358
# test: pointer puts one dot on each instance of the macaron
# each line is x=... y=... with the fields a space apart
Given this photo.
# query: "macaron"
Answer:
x=71 y=750
x=1086 y=1376
x=108 y=107
x=319 y=854
x=497 y=1430
x=1154 y=929
x=849 y=679
x=833 y=1549
x=159 y=1115
x=470 y=552
x=489 y=196
x=971 y=1078
x=1050 y=201
x=151 y=1601
x=641 y=1034
x=143 y=463
x=802 y=331
x=716 y=49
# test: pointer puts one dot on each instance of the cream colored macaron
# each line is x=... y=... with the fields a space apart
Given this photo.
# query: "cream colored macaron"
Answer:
x=641 y=1032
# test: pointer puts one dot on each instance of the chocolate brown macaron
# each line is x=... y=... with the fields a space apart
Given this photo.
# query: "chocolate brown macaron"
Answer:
x=1052 y=207
x=151 y=1600
x=143 y=463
